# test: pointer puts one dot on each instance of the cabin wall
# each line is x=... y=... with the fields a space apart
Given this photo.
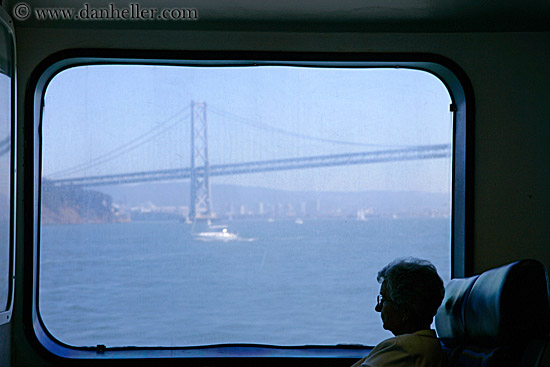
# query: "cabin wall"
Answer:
x=510 y=78
x=5 y=346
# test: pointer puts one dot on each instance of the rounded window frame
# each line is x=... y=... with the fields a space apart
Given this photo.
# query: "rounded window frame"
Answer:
x=444 y=69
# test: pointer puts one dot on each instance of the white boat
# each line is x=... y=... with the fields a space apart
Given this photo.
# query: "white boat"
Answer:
x=223 y=235
x=361 y=215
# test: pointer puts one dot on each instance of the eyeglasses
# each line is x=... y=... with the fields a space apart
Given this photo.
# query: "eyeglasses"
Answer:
x=380 y=299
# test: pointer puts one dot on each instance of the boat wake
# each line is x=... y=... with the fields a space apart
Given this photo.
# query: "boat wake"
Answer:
x=208 y=237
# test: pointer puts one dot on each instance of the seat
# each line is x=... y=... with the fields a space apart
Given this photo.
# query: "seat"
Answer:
x=498 y=318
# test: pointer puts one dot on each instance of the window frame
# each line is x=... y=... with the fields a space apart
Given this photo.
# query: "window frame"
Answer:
x=444 y=69
x=6 y=314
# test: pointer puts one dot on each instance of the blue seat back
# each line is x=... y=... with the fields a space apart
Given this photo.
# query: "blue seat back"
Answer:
x=498 y=318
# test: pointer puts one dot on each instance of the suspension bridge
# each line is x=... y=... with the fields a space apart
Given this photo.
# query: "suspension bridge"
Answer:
x=200 y=170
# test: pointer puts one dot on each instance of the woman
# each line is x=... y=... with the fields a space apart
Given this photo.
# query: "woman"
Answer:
x=410 y=294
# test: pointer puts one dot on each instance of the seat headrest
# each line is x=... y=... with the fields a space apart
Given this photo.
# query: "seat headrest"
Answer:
x=503 y=305
x=449 y=320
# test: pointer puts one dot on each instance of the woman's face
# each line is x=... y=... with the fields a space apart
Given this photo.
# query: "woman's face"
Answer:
x=392 y=317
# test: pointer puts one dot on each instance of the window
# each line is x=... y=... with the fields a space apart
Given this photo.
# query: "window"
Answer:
x=191 y=205
x=6 y=119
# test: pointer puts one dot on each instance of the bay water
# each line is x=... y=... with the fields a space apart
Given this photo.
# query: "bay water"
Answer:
x=280 y=282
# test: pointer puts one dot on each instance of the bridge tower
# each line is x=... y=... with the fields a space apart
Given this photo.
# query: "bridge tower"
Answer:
x=200 y=205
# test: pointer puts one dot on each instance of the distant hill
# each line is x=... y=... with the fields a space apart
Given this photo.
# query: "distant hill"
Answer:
x=64 y=205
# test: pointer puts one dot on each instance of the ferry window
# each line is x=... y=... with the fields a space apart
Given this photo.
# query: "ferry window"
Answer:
x=5 y=165
x=203 y=205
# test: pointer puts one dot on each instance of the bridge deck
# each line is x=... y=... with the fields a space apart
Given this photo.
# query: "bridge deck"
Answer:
x=413 y=153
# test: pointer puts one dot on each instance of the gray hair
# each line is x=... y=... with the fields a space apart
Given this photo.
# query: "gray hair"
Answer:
x=414 y=283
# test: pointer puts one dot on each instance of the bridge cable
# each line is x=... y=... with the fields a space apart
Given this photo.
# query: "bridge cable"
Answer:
x=124 y=148
x=267 y=127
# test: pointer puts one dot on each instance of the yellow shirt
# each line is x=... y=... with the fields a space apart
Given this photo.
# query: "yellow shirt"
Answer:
x=420 y=349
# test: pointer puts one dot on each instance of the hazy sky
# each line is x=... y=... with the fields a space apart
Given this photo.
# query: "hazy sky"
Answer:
x=96 y=117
